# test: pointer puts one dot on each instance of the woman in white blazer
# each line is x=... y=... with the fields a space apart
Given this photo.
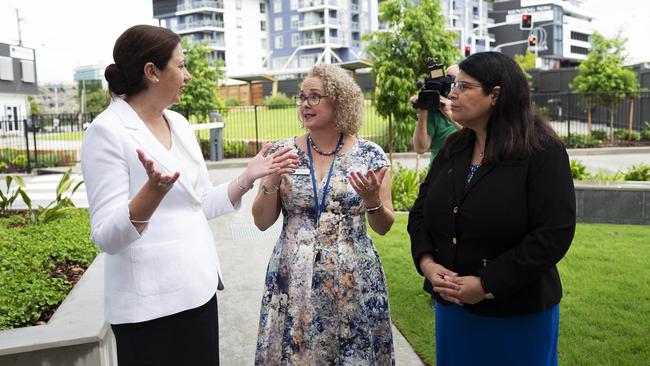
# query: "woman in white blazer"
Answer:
x=150 y=201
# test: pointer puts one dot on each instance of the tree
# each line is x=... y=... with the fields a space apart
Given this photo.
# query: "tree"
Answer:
x=200 y=95
x=603 y=78
x=399 y=55
x=526 y=62
x=34 y=108
x=97 y=101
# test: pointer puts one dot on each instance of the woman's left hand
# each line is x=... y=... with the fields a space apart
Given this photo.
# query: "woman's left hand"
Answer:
x=368 y=186
x=282 y=161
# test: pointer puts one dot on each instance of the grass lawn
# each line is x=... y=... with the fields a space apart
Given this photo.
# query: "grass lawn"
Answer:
x=605 y=312
x=63 y=136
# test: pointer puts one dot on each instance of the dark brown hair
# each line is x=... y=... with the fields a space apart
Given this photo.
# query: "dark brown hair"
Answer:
x=514 y=131
x=133 y=49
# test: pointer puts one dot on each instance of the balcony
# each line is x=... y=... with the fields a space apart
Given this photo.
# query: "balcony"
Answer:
x=215 y=43
x=317 y=23
x=192 y=5
x=316 y=4
x=193 y=26
x=354 y=26
x=312 y=41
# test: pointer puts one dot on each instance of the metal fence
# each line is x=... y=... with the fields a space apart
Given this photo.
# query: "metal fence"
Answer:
x=55 y=140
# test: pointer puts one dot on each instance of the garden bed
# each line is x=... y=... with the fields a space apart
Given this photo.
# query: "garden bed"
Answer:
x=39 y=264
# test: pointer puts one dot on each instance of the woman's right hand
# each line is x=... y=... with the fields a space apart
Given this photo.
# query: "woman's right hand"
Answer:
x=442 y=280
x=157 y=179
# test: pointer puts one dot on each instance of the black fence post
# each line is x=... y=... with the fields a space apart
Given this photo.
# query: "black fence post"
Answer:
x=568 y=118
x=28 y=167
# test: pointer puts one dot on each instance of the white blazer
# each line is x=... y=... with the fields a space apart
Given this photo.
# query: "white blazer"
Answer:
x=173 y=265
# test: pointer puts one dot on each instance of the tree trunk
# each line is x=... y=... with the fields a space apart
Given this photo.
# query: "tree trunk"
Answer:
x=611 y=124
x=589 y=111
x=390 y=139
x=630 y=119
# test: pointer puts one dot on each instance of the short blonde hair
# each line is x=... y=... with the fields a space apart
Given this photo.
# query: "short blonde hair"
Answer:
x=344 y=93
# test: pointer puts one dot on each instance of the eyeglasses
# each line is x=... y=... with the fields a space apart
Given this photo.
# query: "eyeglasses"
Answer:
x=461 y=86
x=312 y=99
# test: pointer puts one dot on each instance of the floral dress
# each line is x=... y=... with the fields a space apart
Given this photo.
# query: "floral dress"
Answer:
x=325 y=300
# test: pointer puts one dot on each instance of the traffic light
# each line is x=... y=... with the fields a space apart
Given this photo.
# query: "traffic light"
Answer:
x=526 y=21
x=532 y=41
x=468 y=51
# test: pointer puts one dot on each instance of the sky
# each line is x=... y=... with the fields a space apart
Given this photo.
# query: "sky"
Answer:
x=71 y=33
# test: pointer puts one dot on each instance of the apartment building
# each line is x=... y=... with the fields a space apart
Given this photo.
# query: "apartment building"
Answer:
x=469 y=19
x=561 y=29
x=235 y=30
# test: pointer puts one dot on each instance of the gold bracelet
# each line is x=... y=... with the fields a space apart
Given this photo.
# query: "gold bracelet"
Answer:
x=372 y=210
x=267 y=191
x=242 y=188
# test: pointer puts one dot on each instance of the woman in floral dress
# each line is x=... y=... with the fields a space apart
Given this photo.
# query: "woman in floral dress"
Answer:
x=325 y=300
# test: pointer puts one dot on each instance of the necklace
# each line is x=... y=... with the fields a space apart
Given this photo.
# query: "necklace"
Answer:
x=338 y=147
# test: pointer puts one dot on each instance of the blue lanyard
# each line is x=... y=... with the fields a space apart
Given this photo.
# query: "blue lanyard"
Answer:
x=318 y=209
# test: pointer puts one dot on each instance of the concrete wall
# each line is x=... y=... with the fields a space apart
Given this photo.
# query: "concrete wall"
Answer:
x=621 y=203
x=77 y=334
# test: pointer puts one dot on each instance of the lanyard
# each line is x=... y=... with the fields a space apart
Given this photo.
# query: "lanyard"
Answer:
x=318 y=209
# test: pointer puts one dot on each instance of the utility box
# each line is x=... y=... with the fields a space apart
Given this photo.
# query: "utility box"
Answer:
x=216 y=136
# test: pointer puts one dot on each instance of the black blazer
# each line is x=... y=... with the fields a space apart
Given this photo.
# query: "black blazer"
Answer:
x=510 y=227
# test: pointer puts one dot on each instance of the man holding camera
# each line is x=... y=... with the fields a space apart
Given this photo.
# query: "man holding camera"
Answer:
x=433 y=128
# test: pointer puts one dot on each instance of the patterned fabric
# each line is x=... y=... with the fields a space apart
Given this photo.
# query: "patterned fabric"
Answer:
x=473 y=168
x=325 y=299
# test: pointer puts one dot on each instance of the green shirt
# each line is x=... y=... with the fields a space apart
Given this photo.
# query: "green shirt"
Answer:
x=438 y=127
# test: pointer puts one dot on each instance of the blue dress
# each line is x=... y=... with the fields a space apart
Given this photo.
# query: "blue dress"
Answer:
x=463 y=338
x=325 y=300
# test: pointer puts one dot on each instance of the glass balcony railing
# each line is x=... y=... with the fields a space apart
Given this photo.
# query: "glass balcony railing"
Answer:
x=201 y=4
x=318 y=23
x=312 y=41
x=199 y=24
x=315 y=3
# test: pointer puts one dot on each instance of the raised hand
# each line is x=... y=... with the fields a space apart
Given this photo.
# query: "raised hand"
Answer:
x=368 y=186
x=157 y=180
x=280 y=162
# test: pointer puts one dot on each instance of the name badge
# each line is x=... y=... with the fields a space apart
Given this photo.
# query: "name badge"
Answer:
x=301 y=171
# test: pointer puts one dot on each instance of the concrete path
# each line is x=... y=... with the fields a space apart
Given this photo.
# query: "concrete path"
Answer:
x=244 y=253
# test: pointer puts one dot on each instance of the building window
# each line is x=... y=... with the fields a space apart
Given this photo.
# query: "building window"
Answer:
x=279 y=41
x=239 y=22
x=238 y=4
x=579 y=50
x=277 y=6
x=295 y=20
x=294 y=4
x=27 y=68
x=263 y=25
x=240 y=40
x=265 y=44
x=579 y=36
x=295 y=40
x=278 y=24
x=262 y=8
x=6 y=68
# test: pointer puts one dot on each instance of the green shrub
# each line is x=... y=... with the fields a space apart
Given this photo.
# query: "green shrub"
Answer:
x=28 y=255
x=48 y=160
x=19 y=161
x=581 y=141
x=599 y=135
x=406 y=186
x=3 y=167
x=638 y=173
x=278 y=101
x=232 y=102
x=205 y=147
x=645 y=133
x=578 y=170
x=234 y=149
x=624 y=134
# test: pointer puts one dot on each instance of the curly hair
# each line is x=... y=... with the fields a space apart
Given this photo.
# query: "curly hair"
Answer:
x=344 y=93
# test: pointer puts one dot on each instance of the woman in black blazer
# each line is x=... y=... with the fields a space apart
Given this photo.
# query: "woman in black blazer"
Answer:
x=492 y=219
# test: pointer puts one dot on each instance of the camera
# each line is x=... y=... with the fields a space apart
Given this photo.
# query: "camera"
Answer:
x=433 y=86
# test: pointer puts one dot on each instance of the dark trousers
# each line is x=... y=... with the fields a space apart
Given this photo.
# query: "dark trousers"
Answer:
x=190 y=337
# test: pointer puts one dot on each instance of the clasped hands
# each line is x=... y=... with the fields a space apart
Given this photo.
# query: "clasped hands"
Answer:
x=451 y=287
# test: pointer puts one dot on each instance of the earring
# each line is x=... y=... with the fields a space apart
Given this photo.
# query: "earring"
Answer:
x=156 y=80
